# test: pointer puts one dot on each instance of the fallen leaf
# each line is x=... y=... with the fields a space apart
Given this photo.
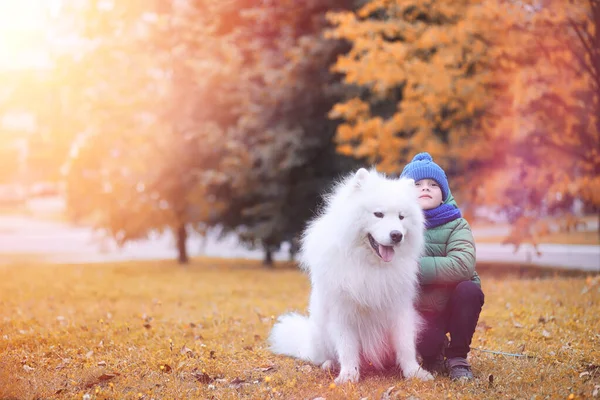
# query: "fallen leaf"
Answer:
x=201 y=376
x=102 y=363
x=265 y=369
x=147 y=321
x=101 y=379
x=187 y=351
x=166 y=368
x=89 y=354
x=586 y=373
x=593 y=367
x=28 y=368
x=108 y=377
x=236 y=383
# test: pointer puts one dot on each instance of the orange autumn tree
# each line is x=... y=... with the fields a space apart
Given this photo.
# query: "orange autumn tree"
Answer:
x=550 y=59
x=155 y=99
x=504 y=94
x=418 y=73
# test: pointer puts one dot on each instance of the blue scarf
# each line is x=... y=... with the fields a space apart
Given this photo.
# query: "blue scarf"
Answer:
x=440 y=215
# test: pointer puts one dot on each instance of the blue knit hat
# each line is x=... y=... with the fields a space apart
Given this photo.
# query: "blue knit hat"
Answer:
x=423 y=167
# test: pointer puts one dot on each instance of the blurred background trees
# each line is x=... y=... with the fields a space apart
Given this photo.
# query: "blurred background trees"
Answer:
x=184 y=116
x=504 y=94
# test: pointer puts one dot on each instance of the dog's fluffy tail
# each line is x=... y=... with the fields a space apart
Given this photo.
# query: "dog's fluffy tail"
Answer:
x=293 y=335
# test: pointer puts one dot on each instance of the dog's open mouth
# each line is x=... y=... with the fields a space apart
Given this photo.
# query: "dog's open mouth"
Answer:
x=386 y=253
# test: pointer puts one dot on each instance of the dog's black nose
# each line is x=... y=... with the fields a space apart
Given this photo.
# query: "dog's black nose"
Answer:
x=396 y=236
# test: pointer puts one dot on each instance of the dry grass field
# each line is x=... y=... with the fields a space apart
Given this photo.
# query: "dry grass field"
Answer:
x=154 y=330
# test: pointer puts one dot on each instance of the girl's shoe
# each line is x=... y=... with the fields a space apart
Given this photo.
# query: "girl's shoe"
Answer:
x=459 y=369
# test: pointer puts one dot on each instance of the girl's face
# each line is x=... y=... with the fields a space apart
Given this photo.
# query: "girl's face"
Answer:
x=430 y=194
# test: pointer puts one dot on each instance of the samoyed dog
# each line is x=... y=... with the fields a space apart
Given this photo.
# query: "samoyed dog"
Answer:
x=362 y=255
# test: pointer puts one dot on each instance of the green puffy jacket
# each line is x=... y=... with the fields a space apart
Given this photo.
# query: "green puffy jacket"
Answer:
x=449 y=259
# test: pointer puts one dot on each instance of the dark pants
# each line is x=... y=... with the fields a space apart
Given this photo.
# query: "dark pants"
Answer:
x=459 y=318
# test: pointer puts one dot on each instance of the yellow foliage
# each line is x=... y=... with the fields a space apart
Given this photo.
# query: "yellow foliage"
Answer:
x=350 y=110
x=427 y=60
x=509 y=88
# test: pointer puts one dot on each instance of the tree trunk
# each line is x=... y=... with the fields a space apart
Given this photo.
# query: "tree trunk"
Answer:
x=182 y=256
x=268 y=260
x=294 y=248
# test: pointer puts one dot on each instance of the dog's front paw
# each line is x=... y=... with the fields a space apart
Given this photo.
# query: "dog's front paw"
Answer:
x=347 y=375
x=419 y=373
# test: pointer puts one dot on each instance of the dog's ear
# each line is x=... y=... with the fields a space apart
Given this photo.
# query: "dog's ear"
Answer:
x=360 y=177
x=411 y=185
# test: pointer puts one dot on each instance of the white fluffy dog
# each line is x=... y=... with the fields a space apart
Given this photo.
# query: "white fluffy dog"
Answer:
x=362 y=255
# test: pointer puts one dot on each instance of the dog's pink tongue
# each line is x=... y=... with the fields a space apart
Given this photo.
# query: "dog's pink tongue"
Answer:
x=387 y=252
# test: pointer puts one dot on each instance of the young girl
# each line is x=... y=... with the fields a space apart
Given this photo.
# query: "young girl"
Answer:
x=451 y=297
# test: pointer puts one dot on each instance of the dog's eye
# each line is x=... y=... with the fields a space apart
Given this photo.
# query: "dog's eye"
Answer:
x=401 y=217
x=378 y=214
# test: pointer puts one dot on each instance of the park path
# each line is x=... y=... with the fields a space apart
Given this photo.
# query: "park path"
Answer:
x=59 y=242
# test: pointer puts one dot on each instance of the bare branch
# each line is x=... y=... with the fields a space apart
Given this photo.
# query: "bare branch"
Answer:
x=588 y=48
